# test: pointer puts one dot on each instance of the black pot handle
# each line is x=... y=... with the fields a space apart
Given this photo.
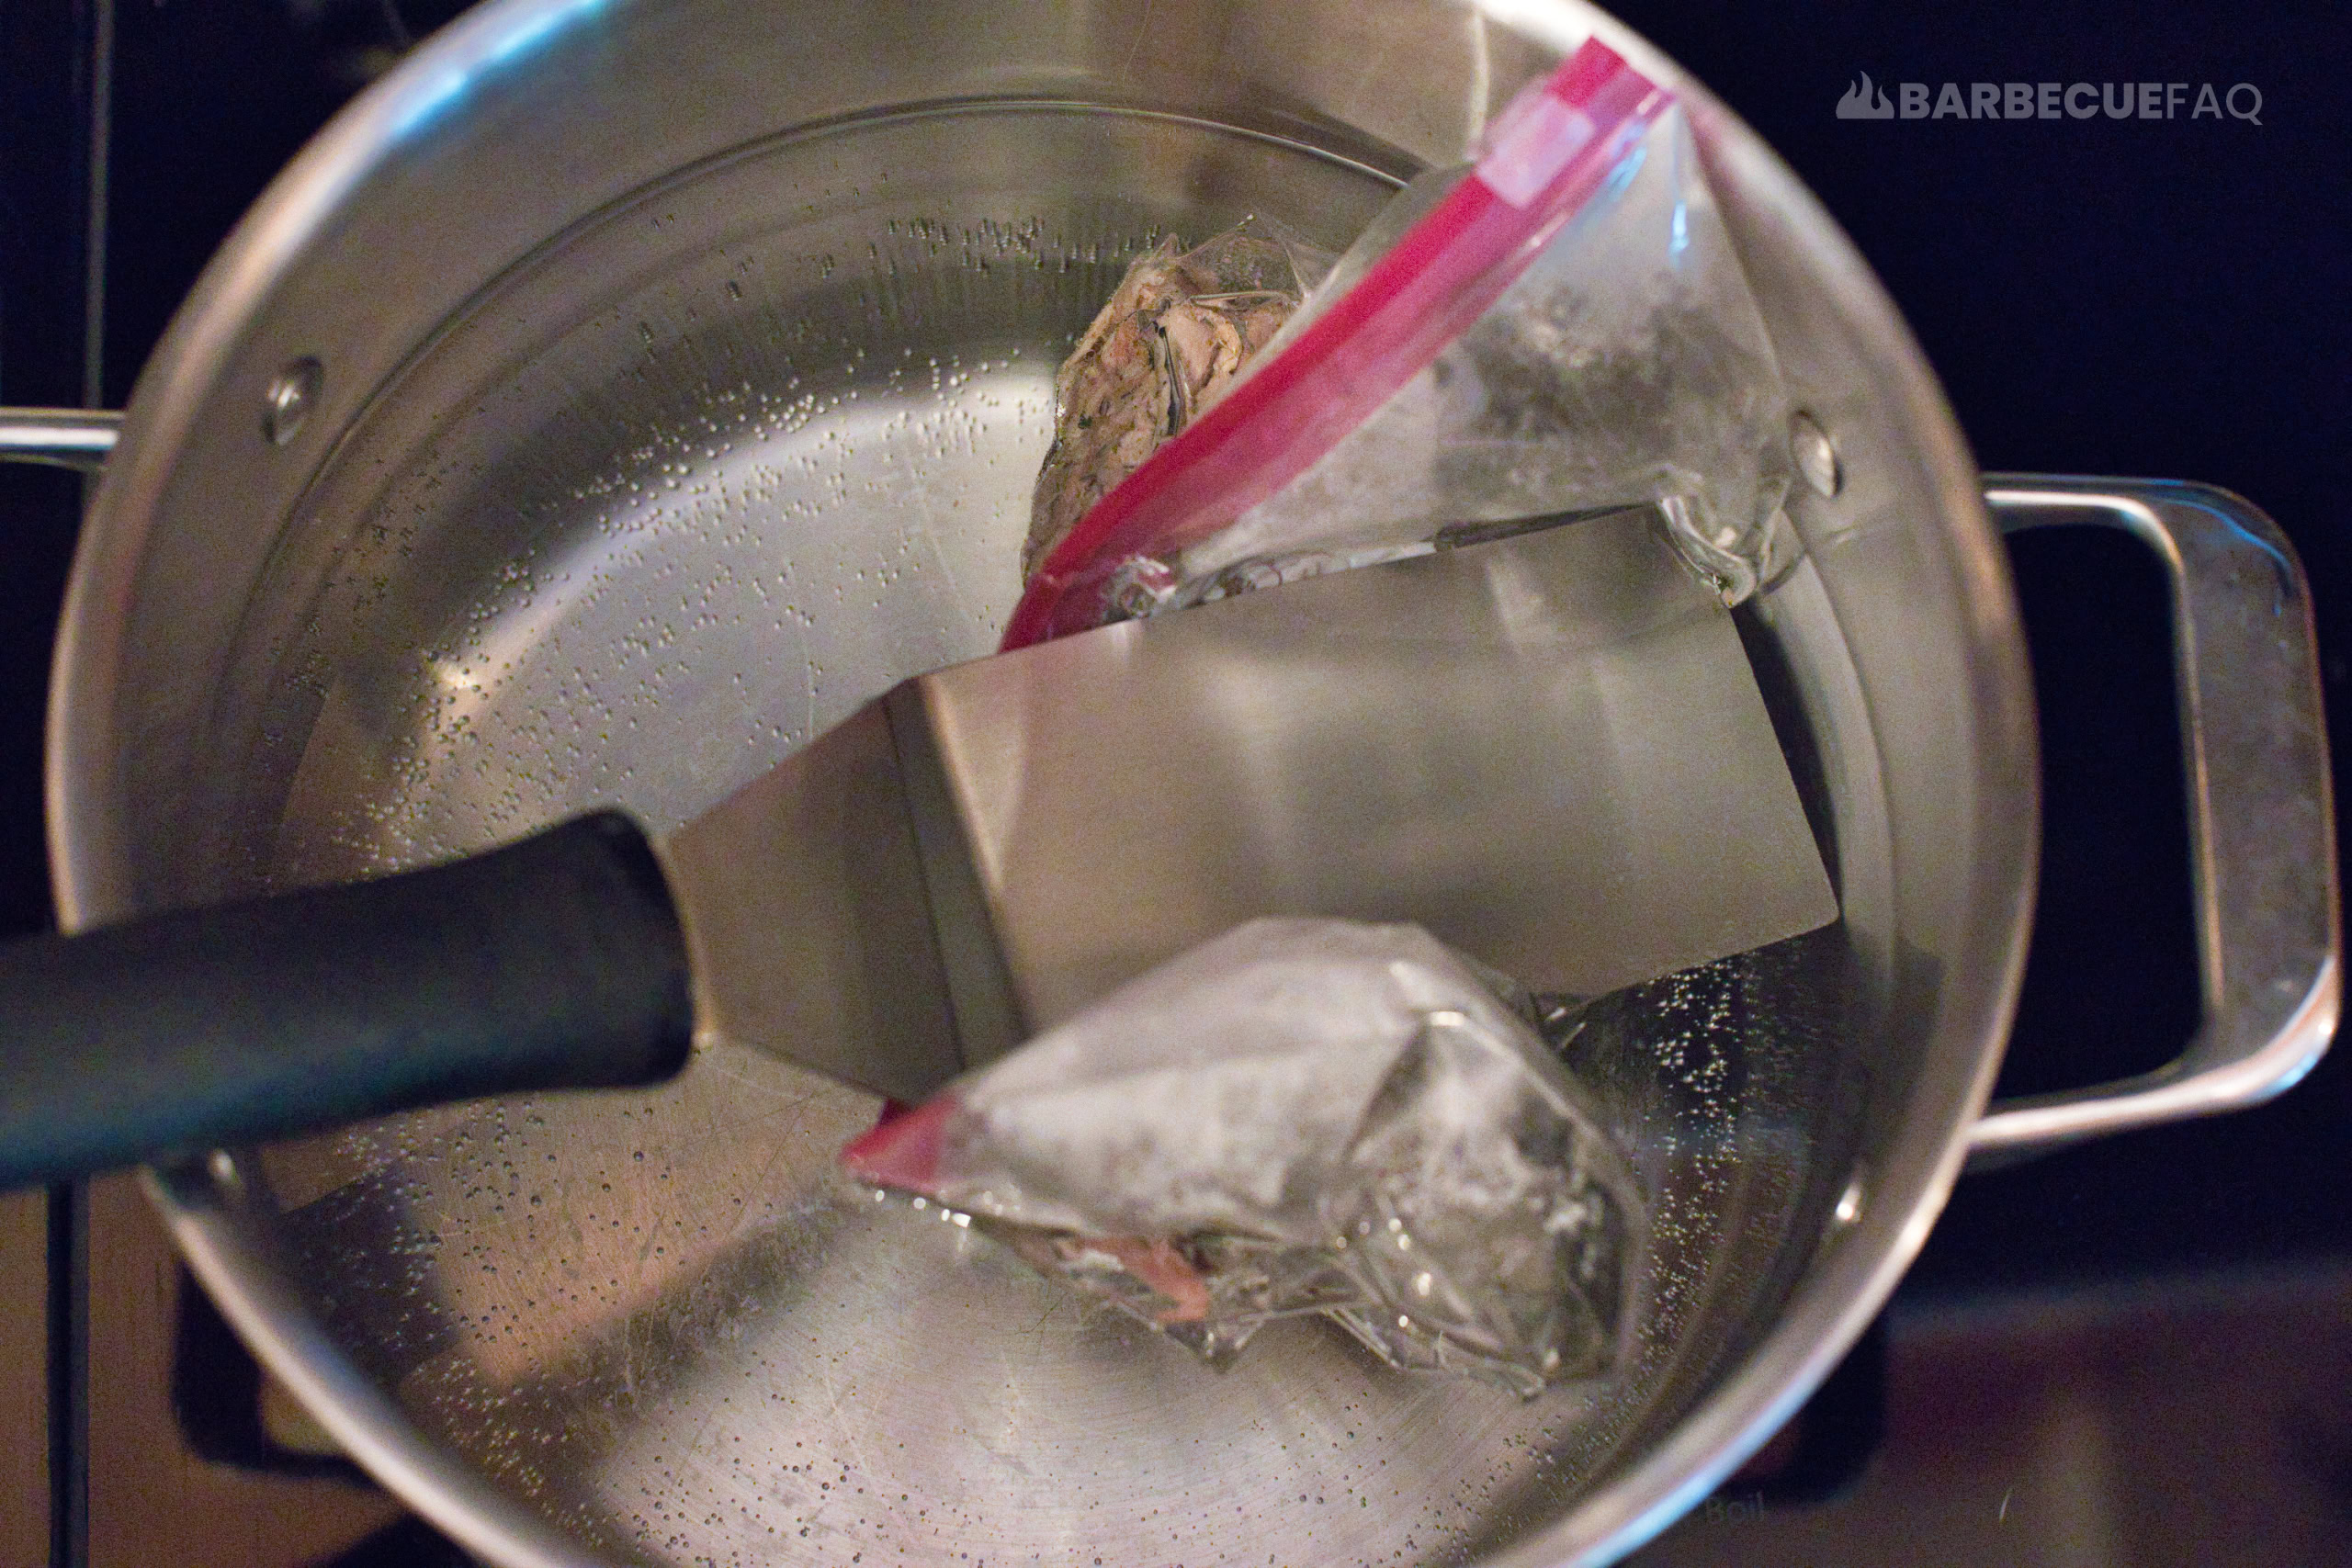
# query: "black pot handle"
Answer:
x=554 y=962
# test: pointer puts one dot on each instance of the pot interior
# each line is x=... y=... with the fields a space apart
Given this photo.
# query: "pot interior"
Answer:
x=679 y=491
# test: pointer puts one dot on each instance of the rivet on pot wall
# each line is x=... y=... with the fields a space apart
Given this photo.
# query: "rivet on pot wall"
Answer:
x=289 y=398
x=1816 y=460
x=1849 y=1202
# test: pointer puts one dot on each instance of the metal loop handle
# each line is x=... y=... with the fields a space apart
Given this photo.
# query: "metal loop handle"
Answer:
x=2261 y=825
x=70 y=438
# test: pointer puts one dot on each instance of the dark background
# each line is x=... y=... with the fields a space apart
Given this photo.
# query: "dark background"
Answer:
x=2161 y=298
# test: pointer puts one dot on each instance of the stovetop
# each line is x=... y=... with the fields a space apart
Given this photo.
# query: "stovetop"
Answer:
x=2132 y=1351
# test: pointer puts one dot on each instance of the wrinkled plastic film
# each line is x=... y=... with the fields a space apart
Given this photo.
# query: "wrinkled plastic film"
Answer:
x=1628 y=365
x=1302 y=1116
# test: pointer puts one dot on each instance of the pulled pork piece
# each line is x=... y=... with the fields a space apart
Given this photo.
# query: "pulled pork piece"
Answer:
x=1175 y=334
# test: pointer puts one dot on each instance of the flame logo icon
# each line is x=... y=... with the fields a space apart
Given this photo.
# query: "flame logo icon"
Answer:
x=1864 y=101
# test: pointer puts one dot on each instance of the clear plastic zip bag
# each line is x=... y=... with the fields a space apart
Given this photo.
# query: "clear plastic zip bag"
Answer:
x=1560 y=326
x=1301 y=1116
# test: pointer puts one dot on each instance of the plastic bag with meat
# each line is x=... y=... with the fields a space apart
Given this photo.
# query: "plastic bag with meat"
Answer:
x=1301 y=1116
x=1558 y=328
x=1170 y=340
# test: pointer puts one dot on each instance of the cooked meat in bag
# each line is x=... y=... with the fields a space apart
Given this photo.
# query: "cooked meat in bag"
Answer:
x=1558 y=328
x=1179 y=329
x=1300 y=1116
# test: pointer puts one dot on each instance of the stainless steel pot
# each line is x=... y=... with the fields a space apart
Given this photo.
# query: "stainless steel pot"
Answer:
x=620 y=392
